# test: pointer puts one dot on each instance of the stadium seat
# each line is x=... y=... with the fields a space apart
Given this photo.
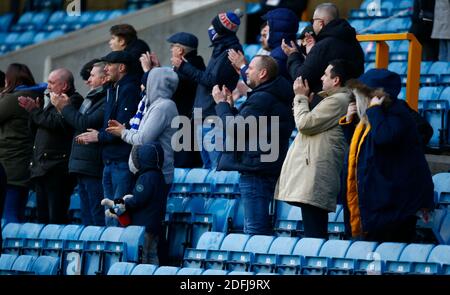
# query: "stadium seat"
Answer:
x=189 y=271
x=144 y=269
x=375 y=262
x=91 y=233
x=290 y=264
x=51 y=231
x=241 y=260
x=166 y=271
x=71 y=232
x=345 y=266
x=11 y=230
x=75 y=202
x=208 y=241
x=133 y=237
x=23 y=264
x=437 y=263
x=336 y=227
x=411 y=253
x=215 y=272
x=121 y=268
x=46 y=265
x=444 y=232
x=266 y=262
x=240 y=273
x=319 y=264
x=6 y=263
x=442 y=188
x=216 y=259
x=72 y=257
x=5 y=21
x=292 y=225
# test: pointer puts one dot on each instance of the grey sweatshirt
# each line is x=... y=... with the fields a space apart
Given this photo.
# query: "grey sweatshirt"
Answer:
x=159 y=112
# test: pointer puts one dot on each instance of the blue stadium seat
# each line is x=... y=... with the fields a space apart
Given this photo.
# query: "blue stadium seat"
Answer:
x=251 y=50
x=51 y=231
x=46 y=265
x=411 y=253
x=240 y=273
x=91 y=233
x=444 y=231
x=266 y=262
x=144 y=269
x=252 y=8
x=290 y=264
x=189 y=271
x=241 y=260
x=75 y=202
x=437 y=263
x=430 y=93
x=398 y=67
x=292 y=225
x=336 y=227
x=72 y=262
x=216 y=259
x=166 y=271
x=23 y=264
x=208 y=241
x=6 y=263
x=375 y=262
x=5 y=21
x=71 y=232
x=345 y=266
x=133 y=237
x=215 y=272
x=54 y=21
x=14 y=245
x=121 y=268
x=11 y=230
x=435 y=112
x=24 y=22
x=402 y=94
x=442 y=188
x=52 y=247
x=319 y=264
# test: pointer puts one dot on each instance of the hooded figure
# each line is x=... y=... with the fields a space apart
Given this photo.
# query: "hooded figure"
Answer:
x=157 y=117
x=386 y=179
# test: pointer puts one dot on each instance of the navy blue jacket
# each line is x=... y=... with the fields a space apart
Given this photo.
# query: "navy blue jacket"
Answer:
x=393 y=177
x=147 y=207
x=219 y=71
x=337 y=40
x=86 y=159
x=121 y=104
x=272 y=98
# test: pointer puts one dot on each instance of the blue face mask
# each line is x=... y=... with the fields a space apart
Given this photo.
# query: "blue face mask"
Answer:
x=212 y=33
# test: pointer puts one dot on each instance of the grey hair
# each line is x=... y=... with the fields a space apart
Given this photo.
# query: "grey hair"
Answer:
x=362 y=104
x=329 y=11
x=100 y=65
x=186 y=49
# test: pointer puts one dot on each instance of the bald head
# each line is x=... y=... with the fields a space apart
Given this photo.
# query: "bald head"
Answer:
x=61 y=81
x=327 y=11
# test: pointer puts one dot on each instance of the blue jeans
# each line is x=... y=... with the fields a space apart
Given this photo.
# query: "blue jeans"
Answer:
x=117 y=182
x=257 y=194
x=209 y=158
x=15 y=202
x=91 y=194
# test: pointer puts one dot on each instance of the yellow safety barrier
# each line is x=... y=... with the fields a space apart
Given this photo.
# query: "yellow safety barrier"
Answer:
x=414 y=59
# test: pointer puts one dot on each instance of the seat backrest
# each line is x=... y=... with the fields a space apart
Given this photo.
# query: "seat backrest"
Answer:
x=112 y=234
x=144 y=269
x=441 y=183
x=11 y=230
x=189 y=271
x=179 y=175
x=416 y=252
x=51 y=231
x=30 y=230
x=7 y=261
x=439 y=67
x=234 y=242
x=334 y=248
x=214 y=272
x=390 y=251
x=133 y=237
x=210 y=241
x=444 y=231
x=308 y=247
x=166 y=271
x=333 y=215
x=91 y=233
x=259 y=244
x=282 y=245
x=23 y=263
x=440 y=254
x=71 y=232
x=121 y=268
x=429 y=92
x=361 y=250
x=445 y=95
x=46 y=265
x=295 y=213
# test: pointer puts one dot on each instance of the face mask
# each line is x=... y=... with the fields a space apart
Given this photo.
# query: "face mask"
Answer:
x=212 y=33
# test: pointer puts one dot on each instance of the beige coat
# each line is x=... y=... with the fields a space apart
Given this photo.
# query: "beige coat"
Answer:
x=311 y=170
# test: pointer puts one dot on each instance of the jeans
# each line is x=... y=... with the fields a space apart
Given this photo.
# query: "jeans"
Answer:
x=117 y=182
x=15 y=202
x=257 y=194
x=207 y=146
x=91 y=194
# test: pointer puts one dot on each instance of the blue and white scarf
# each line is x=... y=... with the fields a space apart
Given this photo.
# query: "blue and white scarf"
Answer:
x=136 y=120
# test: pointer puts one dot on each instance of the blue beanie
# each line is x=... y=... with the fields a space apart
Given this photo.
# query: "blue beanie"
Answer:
x=382 y=78
x=226 y=23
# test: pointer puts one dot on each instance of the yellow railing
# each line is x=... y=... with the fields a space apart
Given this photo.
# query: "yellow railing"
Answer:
x=414 y=59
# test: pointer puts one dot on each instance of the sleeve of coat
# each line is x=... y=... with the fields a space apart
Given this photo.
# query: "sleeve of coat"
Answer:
x=48 y=119
x=307 y=67
x=323 y=117
x=386 y=128
x=80 y=121
x=7 y=106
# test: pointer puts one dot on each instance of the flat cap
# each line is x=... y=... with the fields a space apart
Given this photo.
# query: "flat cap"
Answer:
x=118 y=57
x=183 y=38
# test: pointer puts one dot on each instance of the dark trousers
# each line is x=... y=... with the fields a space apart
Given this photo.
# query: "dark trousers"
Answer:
x=400 y=232
x=53 y=192
x=15 y=202
x=315 y=221
x=91 y=194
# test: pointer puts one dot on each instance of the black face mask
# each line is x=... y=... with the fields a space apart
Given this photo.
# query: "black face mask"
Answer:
x=302 y=49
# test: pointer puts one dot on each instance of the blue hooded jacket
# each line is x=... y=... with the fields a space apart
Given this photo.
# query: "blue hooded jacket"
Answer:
x=147 y=207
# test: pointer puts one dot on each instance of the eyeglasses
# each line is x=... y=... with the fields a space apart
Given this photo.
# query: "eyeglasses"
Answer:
x=314 y=19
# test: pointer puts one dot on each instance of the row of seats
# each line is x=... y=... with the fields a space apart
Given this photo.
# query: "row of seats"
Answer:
x=27 y=264
x=85 y=250
x=291 y=255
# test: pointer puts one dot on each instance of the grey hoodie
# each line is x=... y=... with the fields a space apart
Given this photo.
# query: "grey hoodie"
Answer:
x=158 y=114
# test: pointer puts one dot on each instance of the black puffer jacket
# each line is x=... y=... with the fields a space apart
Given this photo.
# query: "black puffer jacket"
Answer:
x=136 y=48
x=337 y=40
x=53 y=138
x=86 y=159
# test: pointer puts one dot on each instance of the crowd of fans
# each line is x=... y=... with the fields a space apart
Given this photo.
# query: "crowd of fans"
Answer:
x=357 y=144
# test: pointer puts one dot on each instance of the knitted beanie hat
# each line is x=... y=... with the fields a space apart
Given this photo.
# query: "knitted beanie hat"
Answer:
x=227 y=22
